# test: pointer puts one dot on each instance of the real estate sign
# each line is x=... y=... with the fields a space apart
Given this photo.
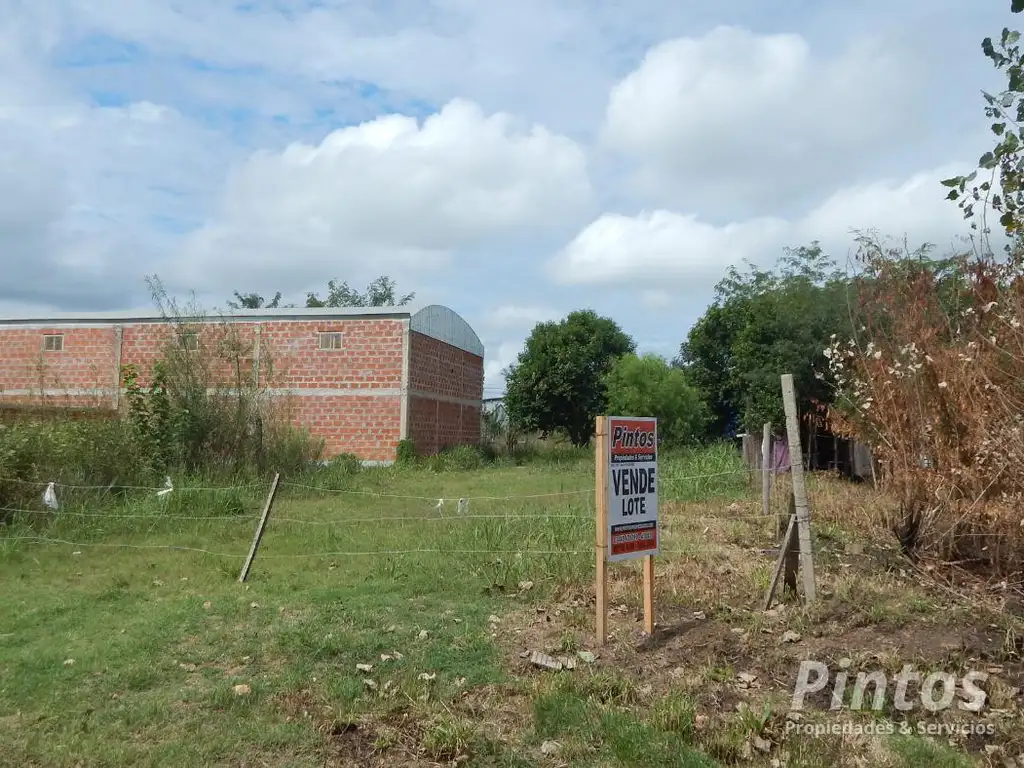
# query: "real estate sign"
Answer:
x=632 y=461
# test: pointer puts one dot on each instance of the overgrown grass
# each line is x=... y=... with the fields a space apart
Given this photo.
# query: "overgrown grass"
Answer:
x=115 y=650
x=201 y=410
x=160 y=637
x=703 y=473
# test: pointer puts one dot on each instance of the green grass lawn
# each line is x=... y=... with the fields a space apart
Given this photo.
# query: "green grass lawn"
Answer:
x=116 y=650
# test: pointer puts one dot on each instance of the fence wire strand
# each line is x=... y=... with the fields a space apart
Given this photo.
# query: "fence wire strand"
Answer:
x=436 y=514
x=119 y=487
x=59 y=513
x=383 y=495
x=691 y=552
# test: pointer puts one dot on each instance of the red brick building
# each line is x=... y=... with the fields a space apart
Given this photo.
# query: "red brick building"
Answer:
x=360 y=378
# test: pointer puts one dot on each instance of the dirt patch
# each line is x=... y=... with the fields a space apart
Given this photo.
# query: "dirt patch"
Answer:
x=355 y=741
x=922 y=641
x=736 y=663
x=409 y=735
x=779 y=637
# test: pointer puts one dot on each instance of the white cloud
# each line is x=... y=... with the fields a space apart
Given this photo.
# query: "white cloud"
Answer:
x=656 y=299
x=92 y=198
x=390 y=193
x=86 y=193
x=915 y=207
x=664 y=250
x=515 y=317
x=743 y=119
x=504 y=331
x=499 y=357
x=84 y=189
x=658 y=247
x=552 y=61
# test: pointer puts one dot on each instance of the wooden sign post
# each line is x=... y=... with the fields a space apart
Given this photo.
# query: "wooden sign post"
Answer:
x=601 y=526
x=626 y=468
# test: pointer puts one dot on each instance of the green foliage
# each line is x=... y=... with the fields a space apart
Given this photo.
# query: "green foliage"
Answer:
x=254 y=301
x=703 y=473
x=405 y=452
x=1004 y=163
x=202 y=413
x=763 y=324
x=382 y=292
x=99 y=452
x=206 y=411
x=458 y=458
x=345 y=464
x=648 y=386
x=706 y=357
x=557 y=383
x=148 y=416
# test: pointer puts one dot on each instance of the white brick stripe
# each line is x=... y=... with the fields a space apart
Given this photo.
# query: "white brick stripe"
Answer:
x=101 y=392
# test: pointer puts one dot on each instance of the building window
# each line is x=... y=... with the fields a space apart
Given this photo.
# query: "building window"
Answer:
x=189 y=340
x=330 y=340
x=53 y=342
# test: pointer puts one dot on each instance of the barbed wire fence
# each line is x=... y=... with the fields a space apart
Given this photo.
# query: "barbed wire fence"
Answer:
x=705 y=517
x=312 y=520
x=555 y=523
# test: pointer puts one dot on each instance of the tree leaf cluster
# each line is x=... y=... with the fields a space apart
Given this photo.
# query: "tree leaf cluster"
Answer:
x=557 y=382
x=381 y=292
x=648 y=386
x=763 y=323
x=1001 y=169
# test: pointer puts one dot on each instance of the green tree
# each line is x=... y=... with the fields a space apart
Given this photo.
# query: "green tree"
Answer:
x=382 y=292
x=1005 y=161
x=557 y=383
x=649 y=386
x=764 y=323
x=706 y=358
x=254 y=301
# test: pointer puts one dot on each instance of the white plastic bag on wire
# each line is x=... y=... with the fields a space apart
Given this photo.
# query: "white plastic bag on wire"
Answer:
x=50 y=496
x=168 y=487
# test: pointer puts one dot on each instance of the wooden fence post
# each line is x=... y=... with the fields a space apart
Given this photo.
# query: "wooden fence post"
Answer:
x=749 y=448
x=260 y=526
x=766 y=469
x=803 y=510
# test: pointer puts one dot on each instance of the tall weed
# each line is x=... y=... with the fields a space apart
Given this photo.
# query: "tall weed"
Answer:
x=202 y=410
x=934 y=382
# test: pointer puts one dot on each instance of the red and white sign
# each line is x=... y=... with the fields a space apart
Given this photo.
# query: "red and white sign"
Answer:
x=632 y=463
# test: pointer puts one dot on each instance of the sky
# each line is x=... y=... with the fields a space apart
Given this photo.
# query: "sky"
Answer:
x=512 y=159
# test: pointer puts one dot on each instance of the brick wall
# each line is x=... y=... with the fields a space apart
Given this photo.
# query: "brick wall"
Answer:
x=82 y=373
x=366 y=426
x=351 y=397
x=370 y=357
x=445 y=393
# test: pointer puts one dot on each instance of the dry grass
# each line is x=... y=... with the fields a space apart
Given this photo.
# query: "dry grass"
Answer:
x=875 y=608
x=932 y=381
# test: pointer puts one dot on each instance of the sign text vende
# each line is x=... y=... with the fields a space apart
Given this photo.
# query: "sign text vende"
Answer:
x=632 y=488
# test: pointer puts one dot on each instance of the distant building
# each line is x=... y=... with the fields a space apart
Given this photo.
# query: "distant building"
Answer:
x=495 y=406
x=360 y=378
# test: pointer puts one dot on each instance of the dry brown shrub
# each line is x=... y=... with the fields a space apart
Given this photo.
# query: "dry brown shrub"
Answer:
x=933 y=380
